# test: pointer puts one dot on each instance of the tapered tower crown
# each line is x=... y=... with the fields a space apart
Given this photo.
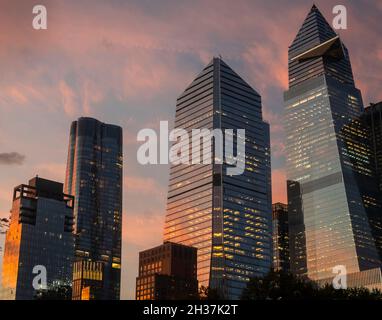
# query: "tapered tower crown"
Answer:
x=314 y=31
x=317 y=50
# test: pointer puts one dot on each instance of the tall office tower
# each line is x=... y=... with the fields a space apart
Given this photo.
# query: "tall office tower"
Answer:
x=167 y=272
x=227 y=217
x=373 y=118
x=332 y=194
x=94 y=177
x=40 y=235
x=281 y=260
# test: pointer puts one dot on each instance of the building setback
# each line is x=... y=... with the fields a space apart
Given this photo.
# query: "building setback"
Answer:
x=227 y=217
x=281 y=260
x=40 y=234
x=332 y=193
x=167 y=272
x=94 y=177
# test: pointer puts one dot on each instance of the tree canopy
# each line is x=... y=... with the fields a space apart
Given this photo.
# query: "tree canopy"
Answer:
x=278 y=285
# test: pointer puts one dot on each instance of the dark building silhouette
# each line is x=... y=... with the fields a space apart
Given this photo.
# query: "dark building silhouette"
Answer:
x=40 y=234
x=227 y=217
x=297 y=240
x=373 y=118
x=167 y=272
x=332 y=194
x=94 y=177
x=371 y=121
x=281 y=260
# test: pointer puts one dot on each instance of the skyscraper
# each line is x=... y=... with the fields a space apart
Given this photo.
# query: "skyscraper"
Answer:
x=94 y=177
x=228 y=218
x=373 y=118
x=40 y=235
x=281 y=260
x=167 y=272
x=332 y=194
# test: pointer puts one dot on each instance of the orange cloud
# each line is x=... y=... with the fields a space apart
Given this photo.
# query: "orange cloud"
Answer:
x=141 y=55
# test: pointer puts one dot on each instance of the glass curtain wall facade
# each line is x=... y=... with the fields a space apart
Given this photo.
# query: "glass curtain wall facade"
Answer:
x=227 y=218
x=94 y=177
x=332 y=194
x=40 y=234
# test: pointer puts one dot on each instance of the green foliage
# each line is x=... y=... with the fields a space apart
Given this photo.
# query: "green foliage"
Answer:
x=284 y=286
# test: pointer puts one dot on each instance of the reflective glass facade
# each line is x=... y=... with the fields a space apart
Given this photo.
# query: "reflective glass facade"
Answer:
x=94 y=177
x=40 y=234
x=332 y=191
x=228 y=218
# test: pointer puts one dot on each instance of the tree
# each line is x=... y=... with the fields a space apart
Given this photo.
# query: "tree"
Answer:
x=207 y=293
x=285 y=286
x=4 y=225
x=57 y=292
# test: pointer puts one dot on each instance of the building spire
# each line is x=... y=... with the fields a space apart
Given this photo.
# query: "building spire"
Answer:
x=314 y=30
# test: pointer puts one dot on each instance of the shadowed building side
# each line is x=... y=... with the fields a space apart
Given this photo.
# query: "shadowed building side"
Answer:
x=281 y=260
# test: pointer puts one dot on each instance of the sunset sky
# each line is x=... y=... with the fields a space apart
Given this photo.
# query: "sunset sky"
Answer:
x=125 y=62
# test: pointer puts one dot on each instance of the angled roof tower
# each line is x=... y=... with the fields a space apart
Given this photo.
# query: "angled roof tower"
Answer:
x=318 y=50
x=228 y=218
x=329 y=163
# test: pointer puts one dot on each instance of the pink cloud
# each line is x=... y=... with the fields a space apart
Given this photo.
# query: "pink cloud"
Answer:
x=69 y=99
x=137 y=53
x=278 y=148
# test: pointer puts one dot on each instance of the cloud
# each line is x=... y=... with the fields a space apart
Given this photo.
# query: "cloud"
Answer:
x=69 y=99
x=12 y=158
x=125 y=62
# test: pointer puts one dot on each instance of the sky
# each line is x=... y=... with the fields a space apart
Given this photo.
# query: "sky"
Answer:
x=126 y=62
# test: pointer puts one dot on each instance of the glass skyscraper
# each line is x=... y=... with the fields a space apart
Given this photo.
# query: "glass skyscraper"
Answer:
x=227 y=218
x=332 y=191
x=40 y=234
x=94 y=177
